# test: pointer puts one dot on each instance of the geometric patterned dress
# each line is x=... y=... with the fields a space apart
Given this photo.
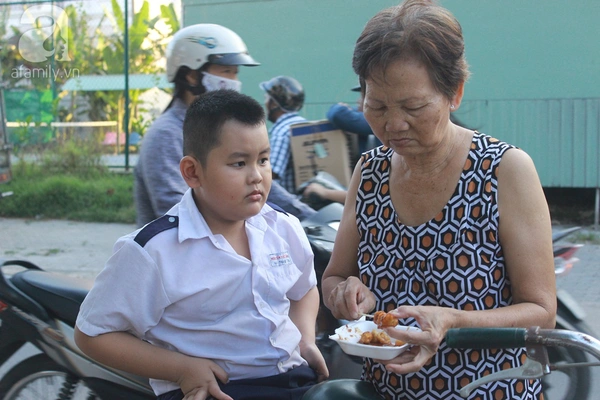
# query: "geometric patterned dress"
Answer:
x=454 y=260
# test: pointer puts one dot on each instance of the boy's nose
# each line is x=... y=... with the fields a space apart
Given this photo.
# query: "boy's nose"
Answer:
x=256 y=175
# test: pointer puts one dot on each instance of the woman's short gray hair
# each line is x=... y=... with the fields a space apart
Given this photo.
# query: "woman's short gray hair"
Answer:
x=415 y=28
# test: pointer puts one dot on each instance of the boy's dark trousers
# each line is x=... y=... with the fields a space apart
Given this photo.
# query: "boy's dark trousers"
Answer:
x=290 y=385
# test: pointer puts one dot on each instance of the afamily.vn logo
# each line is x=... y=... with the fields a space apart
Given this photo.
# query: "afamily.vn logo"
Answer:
x=44 y=22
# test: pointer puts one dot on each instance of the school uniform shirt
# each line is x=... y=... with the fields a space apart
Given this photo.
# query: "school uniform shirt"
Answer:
x=282 y=162
x=176 y=285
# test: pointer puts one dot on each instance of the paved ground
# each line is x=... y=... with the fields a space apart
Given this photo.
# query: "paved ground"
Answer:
x=75 y=248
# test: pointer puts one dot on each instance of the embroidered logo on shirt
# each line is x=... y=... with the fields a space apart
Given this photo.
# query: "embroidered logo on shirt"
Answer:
x=280 y=259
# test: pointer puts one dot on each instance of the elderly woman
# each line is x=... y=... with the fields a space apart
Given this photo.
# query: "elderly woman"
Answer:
x=443 y=227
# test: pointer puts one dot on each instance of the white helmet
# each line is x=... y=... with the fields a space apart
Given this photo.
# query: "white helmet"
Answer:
x=195 y=45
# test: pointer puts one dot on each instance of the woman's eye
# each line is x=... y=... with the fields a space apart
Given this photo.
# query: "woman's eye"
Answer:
x=376 y=109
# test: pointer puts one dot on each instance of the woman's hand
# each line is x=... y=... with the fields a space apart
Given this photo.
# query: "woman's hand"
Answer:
x=434 y=322
x=350 y=298
x=311 y=353
x=198 y=379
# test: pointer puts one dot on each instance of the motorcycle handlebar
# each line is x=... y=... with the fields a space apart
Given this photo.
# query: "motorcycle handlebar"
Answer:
x=486 y=338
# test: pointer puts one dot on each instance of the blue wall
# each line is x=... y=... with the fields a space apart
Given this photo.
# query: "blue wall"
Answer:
x=535 y=67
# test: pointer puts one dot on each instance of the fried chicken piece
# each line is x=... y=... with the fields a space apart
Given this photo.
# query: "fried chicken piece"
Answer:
x=384 y=320
x=375 y=338
x=366 y=338
x=381 y=338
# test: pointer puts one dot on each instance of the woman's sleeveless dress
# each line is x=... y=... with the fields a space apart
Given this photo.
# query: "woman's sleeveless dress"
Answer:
x=454 y=260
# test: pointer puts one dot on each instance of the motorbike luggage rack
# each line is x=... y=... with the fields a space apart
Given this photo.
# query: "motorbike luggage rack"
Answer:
x=534 y=339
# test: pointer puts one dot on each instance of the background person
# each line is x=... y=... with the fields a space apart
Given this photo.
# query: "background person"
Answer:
x=352 y=120
x=443 y=226
x=200 y=58
x=284 y=98
x=225 y=298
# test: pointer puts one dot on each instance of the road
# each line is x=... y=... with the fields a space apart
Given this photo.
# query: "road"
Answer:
x=80 y=249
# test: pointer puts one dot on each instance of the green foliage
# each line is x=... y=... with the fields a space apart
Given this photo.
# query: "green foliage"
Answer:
x=107 y=197
x=69 y=182
x=585 y=237
x=90 y=51
x=80 y=158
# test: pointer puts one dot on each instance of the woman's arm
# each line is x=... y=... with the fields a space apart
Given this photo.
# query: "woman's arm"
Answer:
x=525 y=235
x=526 y=240
x=343 y=293
x=126 y=352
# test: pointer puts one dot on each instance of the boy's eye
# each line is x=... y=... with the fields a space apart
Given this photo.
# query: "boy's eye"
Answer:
x=239 y=164
x=264 y=161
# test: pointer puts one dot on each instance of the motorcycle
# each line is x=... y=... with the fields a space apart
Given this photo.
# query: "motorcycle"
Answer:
x=40 y=308
x=569 y=383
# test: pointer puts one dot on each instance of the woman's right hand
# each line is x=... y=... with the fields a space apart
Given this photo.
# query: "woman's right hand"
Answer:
x=198 y=379
x=350 y=298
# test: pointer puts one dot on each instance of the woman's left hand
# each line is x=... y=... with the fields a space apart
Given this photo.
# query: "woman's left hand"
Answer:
x=434 y=322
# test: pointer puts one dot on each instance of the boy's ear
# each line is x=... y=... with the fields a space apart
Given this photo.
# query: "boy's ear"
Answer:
x=191 y=171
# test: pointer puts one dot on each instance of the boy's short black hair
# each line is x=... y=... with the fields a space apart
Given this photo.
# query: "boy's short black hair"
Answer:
x=208 y=113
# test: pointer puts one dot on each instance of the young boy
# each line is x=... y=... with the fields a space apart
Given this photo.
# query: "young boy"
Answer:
x=218 y=297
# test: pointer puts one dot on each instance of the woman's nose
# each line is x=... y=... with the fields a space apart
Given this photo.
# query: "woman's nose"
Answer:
x=396 y=121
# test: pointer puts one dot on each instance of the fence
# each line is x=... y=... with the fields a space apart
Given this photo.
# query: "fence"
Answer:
x=85 y=69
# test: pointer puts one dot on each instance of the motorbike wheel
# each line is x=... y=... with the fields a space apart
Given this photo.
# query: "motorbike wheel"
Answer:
x=569 y=383
x=40 y=378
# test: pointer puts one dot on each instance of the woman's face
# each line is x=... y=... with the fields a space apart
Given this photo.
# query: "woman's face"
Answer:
x=224 y=71
x=405 y=110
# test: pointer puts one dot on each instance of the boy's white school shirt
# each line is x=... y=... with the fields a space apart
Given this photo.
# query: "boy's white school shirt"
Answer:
x=188 y=290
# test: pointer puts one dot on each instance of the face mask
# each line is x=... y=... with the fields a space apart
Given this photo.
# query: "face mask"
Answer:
x=213 y=82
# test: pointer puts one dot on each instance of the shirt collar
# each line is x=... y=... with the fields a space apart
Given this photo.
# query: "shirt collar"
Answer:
x=285 y=116
x=179 y=108
x=192 y=224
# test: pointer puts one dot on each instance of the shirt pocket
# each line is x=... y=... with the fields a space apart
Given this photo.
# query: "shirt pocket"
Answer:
x=282 y=275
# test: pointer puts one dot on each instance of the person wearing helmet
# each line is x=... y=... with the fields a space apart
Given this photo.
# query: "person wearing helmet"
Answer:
x=352 y=120
x=284 y=98
x=200 y=58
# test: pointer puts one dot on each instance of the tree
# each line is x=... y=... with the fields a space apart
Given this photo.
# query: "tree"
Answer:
x=85 y=49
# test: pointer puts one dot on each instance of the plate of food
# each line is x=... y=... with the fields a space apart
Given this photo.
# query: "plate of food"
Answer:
x=365 y=339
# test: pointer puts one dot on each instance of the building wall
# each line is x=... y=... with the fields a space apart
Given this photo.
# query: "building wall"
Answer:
x=535 y=67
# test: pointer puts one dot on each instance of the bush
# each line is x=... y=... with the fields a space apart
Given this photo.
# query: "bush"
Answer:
x=69 y=182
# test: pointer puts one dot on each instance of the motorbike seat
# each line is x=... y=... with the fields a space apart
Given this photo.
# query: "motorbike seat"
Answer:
x=59 y=294
x=342 y=389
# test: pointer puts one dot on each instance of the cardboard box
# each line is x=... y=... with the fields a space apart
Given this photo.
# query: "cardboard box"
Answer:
x=319 y=146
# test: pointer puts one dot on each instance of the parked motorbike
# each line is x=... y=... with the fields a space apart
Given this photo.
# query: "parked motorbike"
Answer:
x=40 y=308
x=539 y=344
x=569 y=383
